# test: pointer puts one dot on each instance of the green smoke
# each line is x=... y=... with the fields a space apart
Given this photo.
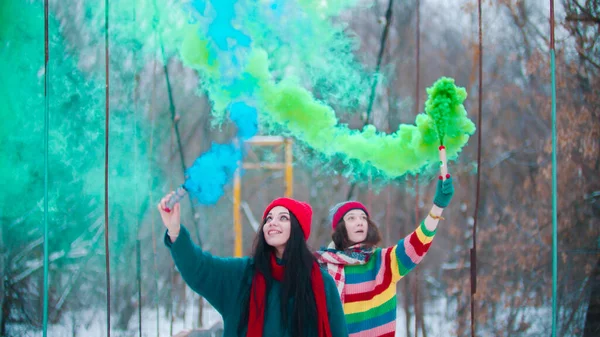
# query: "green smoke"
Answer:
x=76 y=141
x=288 y=103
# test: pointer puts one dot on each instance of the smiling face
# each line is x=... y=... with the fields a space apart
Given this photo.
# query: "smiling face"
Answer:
x=356 y=225
x=277 y=228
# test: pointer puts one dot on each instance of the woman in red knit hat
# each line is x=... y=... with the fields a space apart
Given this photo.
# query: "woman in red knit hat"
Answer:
x=279 y=291
x=366 y=275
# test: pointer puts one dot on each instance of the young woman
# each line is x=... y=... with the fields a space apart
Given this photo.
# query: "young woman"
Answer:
x=279 y=291
x=366 y=275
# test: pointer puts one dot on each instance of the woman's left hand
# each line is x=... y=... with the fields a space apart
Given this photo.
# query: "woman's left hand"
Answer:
x=443 y=192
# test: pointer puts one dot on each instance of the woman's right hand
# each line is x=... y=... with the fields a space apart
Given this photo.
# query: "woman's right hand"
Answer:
x=172 y=219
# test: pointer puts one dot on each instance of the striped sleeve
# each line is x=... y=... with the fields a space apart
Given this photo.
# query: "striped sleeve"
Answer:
x=410 y=251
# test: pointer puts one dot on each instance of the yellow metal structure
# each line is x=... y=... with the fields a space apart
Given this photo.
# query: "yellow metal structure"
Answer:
x=237 y=220
x=237 y=181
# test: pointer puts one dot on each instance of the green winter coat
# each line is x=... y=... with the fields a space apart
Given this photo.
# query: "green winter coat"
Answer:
x=224 y=283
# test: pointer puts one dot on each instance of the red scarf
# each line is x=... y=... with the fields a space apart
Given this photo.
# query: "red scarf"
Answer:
x=256 y=318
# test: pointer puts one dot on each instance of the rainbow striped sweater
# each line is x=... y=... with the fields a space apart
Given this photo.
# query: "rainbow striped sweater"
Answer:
x=370 y=289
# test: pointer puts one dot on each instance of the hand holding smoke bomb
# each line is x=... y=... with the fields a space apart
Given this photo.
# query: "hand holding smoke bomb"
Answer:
x=180 y=192
x=171 y=217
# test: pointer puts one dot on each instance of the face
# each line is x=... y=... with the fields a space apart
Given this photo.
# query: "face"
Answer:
x=277 y=227
x=356 y=225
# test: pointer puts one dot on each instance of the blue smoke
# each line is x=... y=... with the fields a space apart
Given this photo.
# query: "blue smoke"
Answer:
x=210 y=173
x=213 y=170
x=246 y=119
x=221 y=29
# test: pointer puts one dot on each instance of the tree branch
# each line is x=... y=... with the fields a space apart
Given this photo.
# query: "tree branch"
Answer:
x=581 y=18
x=586 y=58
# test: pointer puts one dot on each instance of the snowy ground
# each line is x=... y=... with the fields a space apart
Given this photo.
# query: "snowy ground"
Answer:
x=93 y=324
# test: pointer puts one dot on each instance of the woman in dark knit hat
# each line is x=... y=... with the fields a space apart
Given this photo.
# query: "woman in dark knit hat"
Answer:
x=366 y=275
x=279 y=291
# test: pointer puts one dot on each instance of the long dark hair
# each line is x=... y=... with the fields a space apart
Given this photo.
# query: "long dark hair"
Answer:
x=341 y=240
x=296 y=282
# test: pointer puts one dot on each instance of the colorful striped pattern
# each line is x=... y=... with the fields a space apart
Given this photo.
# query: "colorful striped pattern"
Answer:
x=370 y=290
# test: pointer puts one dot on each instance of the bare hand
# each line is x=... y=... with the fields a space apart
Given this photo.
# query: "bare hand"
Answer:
x=172 y=219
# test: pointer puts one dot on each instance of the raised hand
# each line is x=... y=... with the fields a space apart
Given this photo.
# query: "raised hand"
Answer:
x=172 y=219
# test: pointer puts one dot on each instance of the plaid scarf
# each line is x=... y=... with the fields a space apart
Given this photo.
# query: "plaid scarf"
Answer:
x=336 y=260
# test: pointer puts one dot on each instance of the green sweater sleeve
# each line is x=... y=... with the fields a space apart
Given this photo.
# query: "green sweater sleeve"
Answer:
x=217 y=279
x=337 y=320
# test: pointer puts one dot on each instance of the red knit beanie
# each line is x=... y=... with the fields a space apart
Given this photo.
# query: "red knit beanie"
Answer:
x=338 y=211
x=301 y=210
